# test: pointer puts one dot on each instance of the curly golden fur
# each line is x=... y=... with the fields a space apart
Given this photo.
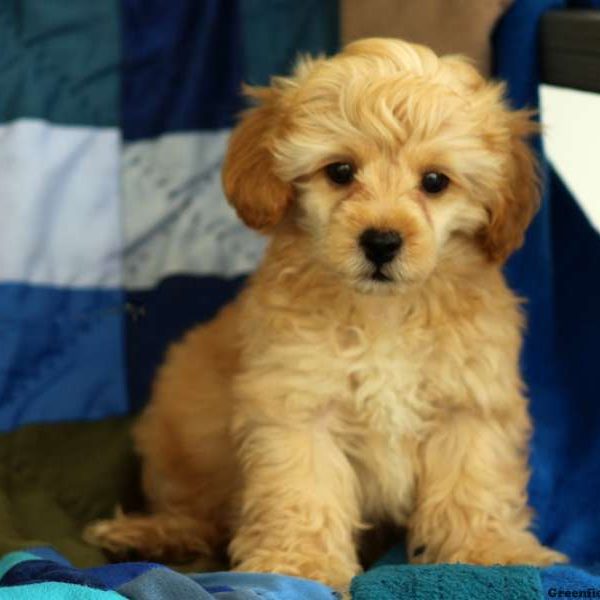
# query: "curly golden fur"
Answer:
x=325 y=400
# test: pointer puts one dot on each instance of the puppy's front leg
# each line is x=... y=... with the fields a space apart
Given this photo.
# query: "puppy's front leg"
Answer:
x=472 y=503
x=299 y=511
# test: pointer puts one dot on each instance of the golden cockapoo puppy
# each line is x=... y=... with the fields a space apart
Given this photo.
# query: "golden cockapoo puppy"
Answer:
x=369 y=370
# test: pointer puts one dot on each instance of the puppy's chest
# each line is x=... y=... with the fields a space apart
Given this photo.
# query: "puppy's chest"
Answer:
x=386 y=377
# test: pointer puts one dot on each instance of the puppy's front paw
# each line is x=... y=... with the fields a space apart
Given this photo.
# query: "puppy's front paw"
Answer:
x=547 y=556
x=522 y=548
x=334 y=573
x=506 y=554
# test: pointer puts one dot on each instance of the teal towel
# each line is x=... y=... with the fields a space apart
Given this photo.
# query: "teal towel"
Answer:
x=448 y=582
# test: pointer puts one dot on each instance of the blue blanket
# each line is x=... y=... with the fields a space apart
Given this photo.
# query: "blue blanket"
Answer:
x=114 y=117
x=44 y=575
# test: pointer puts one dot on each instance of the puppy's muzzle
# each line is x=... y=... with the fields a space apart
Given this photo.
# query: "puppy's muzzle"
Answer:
x=380 y=246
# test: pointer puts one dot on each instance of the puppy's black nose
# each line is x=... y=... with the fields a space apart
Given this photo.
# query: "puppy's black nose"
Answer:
x=380 y=246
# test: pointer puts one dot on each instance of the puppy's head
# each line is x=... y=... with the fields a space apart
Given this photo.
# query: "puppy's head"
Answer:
x=387 y=157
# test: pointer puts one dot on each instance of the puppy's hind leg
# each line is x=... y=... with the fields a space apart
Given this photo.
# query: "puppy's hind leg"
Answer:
x=184 y=522
x=158 y=536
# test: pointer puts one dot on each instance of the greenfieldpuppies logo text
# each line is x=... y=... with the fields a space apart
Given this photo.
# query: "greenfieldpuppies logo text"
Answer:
x=564 y=593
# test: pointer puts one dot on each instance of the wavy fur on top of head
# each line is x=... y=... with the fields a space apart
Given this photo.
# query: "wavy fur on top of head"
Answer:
x=337 y=392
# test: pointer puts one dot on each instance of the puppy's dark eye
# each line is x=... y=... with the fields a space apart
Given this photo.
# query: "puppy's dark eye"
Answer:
x=434 y=182
x=340 y=173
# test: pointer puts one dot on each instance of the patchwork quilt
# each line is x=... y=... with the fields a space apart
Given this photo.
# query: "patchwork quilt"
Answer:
x=115 y=238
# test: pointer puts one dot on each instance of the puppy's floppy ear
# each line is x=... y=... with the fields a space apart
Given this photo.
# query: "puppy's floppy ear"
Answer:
x=519 y=199
x=251 y=186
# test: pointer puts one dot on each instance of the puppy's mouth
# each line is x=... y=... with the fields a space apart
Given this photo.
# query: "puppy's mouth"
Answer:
x=379 y=275
x=377 y=281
